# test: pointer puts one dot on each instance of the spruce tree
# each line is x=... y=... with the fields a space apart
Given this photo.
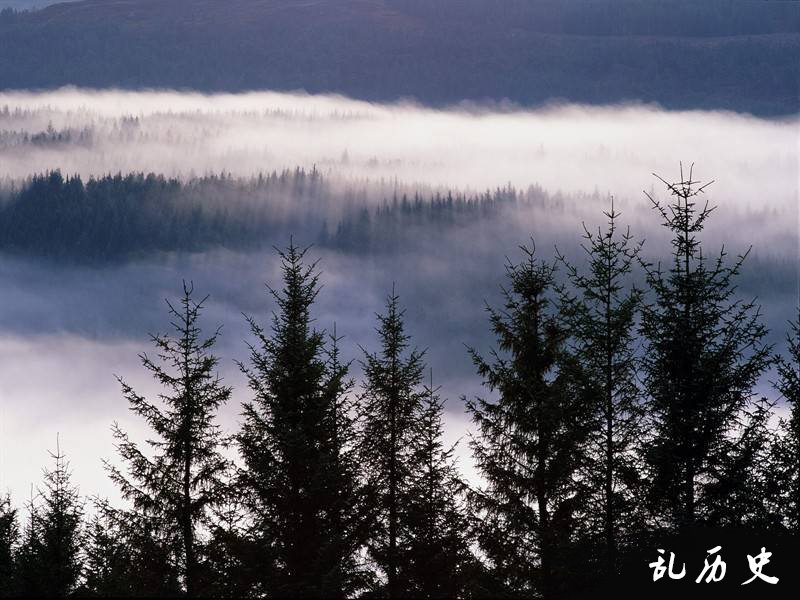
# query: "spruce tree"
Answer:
x=9 y=539
x=704 y=352
x=27 y=559
x=436 y=560
x=124 y=556
x=291 y=443
x=350 y=515
x=173 y=491
x=740 y=491
x=787 y=449
x=390 y=401
x=49 y=560
x=107 y=561
x=230 y=565
x=600 y=310
x=530 y=439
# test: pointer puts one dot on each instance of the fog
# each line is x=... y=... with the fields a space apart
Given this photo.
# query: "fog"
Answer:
x=568 y=148
x=65 y=330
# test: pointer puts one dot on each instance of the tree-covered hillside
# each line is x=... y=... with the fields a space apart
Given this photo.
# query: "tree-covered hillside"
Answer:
x=121 y=217
x=735 y=55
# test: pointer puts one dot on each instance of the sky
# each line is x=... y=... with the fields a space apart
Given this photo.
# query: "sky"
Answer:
x=66 y=331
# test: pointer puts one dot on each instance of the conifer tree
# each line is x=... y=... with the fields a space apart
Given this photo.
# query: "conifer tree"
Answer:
x=173 y=491
x=26 y=561
x=740 y=491
x=703 y=355
x=600 y=310
x=291 y=443
x=350 y=515
x=107 y=562
x=391 y=402
x=9 y=539
x=436 y=561
x=125 y=557
x=530 y=439
x=52 y=540
x=230 y=563
x=787 y=461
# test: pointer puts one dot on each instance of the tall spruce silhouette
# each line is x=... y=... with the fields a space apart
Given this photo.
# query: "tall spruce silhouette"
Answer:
x=293 y=442
x=436 y=561
x=600 y=308
x=530 y=439
x=703 y=354
x=9 y=539
x=391 y=403
x=173 y=490
x=49 y=559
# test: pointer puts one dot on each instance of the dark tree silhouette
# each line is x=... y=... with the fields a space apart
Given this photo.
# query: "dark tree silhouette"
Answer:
x=391 y=401
x=293 y=444
x=739 y=491
x=600 y=309
x=25 y=561
x=787 y=459
x=9 y=538
x=107 y=561
x=530 y=441
x=436 y=561
x=704 y=353
x=174 y=490
x=350 y=515
x=49 y=561
x=231 y=563
x=125 y=557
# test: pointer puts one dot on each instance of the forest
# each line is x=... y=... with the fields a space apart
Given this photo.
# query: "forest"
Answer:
x=620 y=408
x=115 y=218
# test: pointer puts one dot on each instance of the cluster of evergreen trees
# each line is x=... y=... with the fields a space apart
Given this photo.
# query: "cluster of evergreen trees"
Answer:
x=49 y=137
x=118 y=217
x=611 y=413
x=121 y=217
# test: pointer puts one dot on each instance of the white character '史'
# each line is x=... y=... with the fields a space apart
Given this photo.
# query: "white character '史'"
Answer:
x=713 y=568
x=757 y=563
x=659 y=569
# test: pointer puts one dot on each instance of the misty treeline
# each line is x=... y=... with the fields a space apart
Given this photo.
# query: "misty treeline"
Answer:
x=121 y=217
x=612 y=413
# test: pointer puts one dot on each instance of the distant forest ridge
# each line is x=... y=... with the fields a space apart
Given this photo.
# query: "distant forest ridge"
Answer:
x=716 y=54
x=120 y=217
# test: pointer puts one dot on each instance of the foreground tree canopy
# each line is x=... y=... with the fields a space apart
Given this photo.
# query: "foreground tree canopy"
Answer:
x=611 y=413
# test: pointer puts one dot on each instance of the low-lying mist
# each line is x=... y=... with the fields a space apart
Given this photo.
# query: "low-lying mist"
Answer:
x=70 y=321
x=568 y=148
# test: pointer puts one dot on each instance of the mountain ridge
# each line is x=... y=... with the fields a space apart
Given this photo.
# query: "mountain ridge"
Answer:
x=739 y=56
